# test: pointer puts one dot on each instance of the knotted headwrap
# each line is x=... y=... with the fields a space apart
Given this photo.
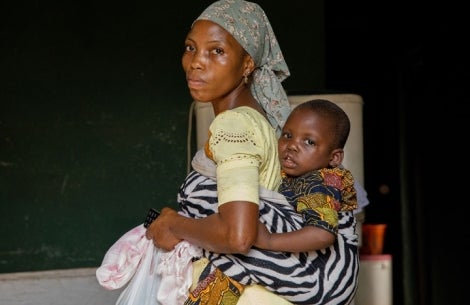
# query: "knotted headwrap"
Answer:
x=249 y=25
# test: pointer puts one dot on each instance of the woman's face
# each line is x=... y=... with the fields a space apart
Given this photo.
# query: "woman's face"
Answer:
x=214 y=62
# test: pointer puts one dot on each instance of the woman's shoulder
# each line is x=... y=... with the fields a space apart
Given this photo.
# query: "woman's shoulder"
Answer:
x=241 y=130
x=241 y=111
x=240 y=118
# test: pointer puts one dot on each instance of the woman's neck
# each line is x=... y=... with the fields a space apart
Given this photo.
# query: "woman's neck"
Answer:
x=236 y=99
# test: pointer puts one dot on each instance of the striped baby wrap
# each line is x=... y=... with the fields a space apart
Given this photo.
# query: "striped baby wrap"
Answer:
x=327 y=276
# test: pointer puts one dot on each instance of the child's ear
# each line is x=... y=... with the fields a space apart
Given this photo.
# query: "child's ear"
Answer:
x=337 y=156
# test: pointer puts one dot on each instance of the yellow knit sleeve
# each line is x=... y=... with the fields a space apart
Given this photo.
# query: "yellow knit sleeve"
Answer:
x=243 y=144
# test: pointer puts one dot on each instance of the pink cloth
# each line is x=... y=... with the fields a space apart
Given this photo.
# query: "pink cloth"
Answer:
x=122 y=259
x=174 y=267
x=176 y=270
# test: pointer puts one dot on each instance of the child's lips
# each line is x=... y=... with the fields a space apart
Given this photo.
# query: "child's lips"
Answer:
x=288 y=162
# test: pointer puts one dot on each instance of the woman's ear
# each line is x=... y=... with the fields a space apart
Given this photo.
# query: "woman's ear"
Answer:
x=337 y=156
x=249 y=65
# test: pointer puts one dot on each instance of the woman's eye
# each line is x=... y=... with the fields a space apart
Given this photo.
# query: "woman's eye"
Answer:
x=189 y=48
x=218 y=51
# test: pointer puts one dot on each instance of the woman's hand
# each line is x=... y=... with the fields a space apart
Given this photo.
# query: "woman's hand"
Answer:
x=160 y=230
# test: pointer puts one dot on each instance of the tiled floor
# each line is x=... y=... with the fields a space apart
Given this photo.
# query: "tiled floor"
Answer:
x=57 y=287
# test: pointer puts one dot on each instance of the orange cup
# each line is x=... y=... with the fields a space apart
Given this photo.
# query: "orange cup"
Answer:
x=373 y=236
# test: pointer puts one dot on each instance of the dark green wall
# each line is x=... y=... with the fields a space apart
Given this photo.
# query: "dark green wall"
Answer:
x=94 y=116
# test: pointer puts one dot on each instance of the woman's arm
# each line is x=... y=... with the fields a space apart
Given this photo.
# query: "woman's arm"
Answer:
x=241 y=142
x=232 y=230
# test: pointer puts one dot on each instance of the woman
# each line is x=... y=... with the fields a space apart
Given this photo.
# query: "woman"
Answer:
x=233 y=61
x=219 y=71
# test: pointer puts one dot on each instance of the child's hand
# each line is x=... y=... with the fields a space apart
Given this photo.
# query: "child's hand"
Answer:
x=264 y=237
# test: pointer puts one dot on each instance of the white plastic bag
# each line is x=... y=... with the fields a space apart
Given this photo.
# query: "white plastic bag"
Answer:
x=143 y=287
x=154 y=276
x=121 y=260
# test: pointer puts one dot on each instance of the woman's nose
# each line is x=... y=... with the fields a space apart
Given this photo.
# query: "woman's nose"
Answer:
x=197 y=62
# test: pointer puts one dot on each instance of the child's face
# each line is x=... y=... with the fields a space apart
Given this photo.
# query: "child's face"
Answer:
x=305 y=143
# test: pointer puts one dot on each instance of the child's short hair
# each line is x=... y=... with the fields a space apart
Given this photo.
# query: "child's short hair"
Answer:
x=335 y=114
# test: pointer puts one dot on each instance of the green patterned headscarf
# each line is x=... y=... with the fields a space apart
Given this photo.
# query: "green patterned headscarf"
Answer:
x=249 y=25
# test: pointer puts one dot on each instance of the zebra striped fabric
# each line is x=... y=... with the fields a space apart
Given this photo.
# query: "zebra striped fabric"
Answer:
x=327 y=277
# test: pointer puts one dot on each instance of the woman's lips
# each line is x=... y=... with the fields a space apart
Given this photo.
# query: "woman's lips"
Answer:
x=195 y=83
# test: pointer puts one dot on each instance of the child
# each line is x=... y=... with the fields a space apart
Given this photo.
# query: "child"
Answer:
x=314 y=182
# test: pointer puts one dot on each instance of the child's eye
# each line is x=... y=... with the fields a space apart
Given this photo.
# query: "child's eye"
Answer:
x=309 y=142
x=286 y=135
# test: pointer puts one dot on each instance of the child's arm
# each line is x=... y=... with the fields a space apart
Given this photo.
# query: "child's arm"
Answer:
x=309 y=238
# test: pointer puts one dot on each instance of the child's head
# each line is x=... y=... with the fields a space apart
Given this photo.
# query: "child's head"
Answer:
x=313 y=137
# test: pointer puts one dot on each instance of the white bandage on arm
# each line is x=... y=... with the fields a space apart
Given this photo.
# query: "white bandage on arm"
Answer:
x=238 y=180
